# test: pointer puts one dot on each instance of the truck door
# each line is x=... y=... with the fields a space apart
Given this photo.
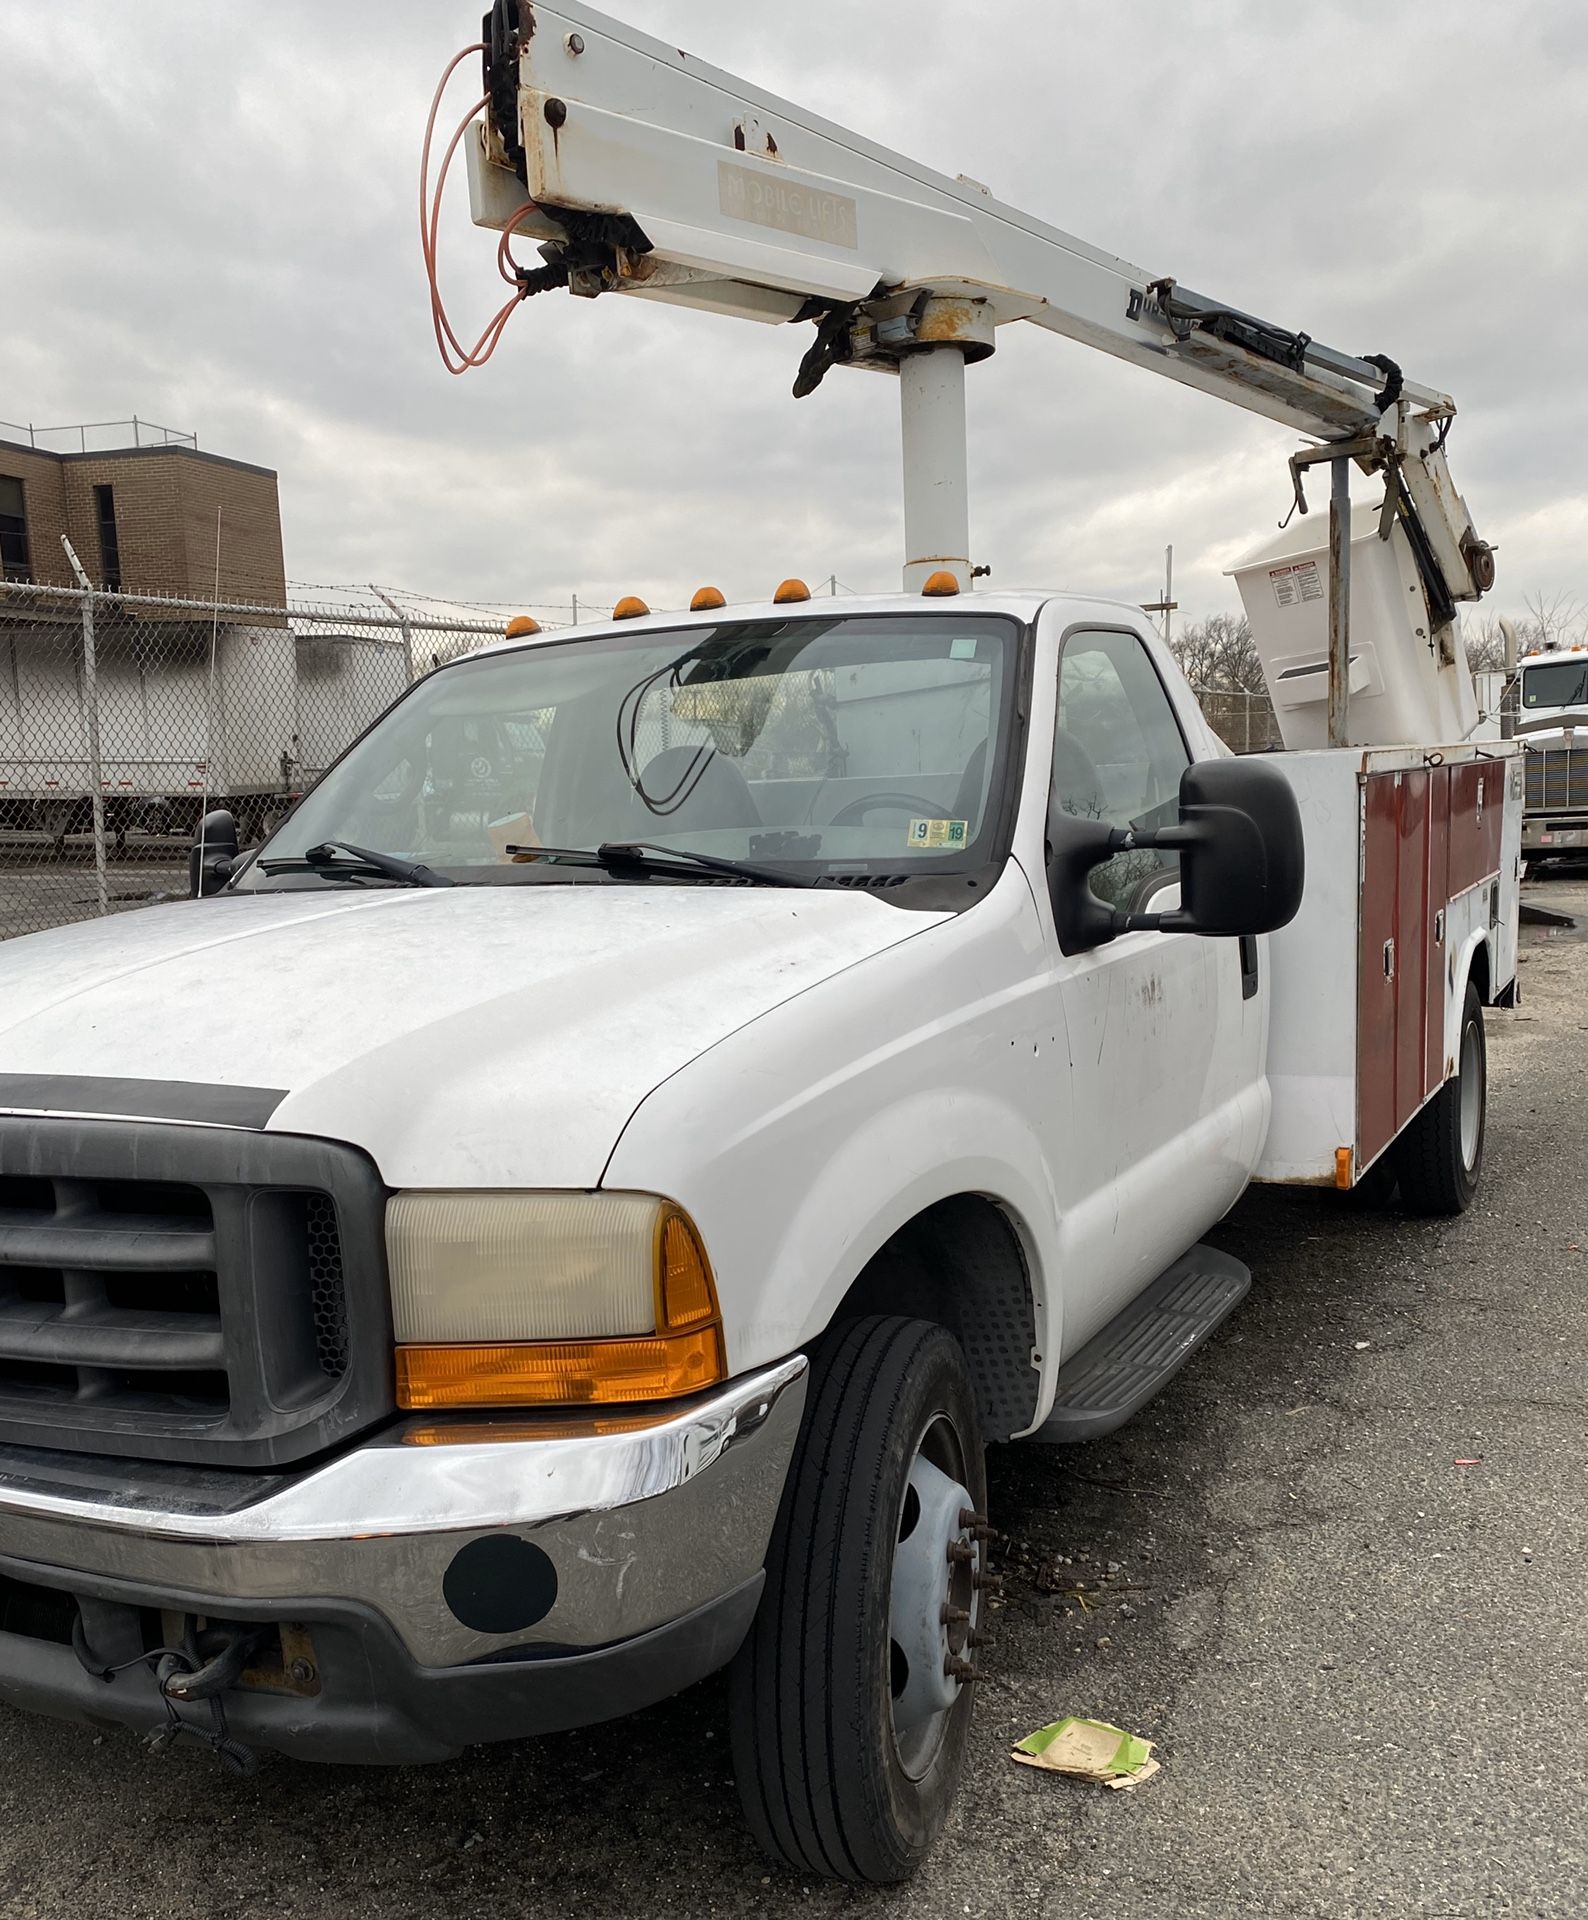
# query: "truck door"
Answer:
x=1166 y=1076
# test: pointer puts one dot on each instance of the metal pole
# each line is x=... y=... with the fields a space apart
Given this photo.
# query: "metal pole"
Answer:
x=576 y=609
x=406 y=631
x=96 y=783
x=936 y=466
x=1339 y=602
x=1508 y=700
x=1168 y=591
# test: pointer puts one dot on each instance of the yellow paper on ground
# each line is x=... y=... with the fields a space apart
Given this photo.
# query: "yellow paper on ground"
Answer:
x=1088 y=1750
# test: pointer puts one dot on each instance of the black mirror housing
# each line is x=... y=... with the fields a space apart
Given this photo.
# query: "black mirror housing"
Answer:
x=1242 y=853
x=1242 y=860
x=213 y=853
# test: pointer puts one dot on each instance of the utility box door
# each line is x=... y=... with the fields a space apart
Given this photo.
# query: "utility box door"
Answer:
x=1400 y=966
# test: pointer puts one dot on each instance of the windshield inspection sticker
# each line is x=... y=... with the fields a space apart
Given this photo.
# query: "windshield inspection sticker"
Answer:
x=938 y=833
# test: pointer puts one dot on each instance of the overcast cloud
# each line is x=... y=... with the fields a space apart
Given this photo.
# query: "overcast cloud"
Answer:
x=208 y=217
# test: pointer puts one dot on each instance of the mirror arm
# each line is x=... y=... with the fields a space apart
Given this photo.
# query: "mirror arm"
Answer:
x=1184 y=834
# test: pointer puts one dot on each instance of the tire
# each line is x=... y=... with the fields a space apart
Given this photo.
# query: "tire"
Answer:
x=1374 y=1192
x=839 y=1773
x=1440 y=1155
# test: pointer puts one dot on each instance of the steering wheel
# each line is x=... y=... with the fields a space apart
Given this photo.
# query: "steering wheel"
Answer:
x=905 y=802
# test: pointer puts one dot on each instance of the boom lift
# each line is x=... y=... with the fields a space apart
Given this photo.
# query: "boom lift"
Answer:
x=643 y=171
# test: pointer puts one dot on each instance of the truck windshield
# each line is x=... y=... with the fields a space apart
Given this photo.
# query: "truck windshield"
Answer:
x=873 y=745
x=1557 y=683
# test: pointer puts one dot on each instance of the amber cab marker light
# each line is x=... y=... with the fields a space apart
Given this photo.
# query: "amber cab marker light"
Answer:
x=707 y=600
x=521 y=626
x=630 y=607
x=789 y=591
x=940 y=585
x=1344 y=1168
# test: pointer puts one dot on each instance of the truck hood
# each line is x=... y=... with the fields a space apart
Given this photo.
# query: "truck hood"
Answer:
x=470 y=1037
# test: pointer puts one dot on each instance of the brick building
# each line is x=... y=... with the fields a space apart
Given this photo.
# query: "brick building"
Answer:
x=142 y=519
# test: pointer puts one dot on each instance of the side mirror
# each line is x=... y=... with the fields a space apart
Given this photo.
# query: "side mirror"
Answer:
x=1242 y=859
x=212 y=855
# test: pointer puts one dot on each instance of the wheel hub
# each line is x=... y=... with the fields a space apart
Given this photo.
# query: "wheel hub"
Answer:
x=935 y=1604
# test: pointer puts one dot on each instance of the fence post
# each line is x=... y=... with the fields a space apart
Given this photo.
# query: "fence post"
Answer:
x=406 y=630
x=96 y=785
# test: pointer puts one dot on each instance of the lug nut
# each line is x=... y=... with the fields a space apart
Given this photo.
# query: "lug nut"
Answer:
x=960 y=1670
x=954 y=1616
x=969 y=1517
x=961 y=1553
x=302 y=1672
x=988 y=1583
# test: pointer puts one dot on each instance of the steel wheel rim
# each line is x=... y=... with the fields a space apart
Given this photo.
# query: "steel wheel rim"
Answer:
x=934 y=1602
x=1471 y=1094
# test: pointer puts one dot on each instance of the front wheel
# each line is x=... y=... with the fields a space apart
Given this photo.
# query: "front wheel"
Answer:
x=851 y=1697
x=1440 y=1155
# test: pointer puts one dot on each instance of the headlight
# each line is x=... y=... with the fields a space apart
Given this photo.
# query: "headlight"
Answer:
x=549 y=1299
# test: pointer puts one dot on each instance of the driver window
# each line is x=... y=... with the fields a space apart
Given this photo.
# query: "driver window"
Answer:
x=1118 y=755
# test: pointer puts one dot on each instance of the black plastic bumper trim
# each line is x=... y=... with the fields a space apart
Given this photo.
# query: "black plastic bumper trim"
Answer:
x=375 y=1706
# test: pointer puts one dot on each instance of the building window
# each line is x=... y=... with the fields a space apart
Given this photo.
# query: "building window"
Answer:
x=15 y=561
x=109 y=550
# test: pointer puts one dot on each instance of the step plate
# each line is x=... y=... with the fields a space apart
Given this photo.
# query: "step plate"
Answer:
x=1119 y=1370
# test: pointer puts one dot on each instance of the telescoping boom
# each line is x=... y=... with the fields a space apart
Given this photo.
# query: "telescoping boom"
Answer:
x=643 y=171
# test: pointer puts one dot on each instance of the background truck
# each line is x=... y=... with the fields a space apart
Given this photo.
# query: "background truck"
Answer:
x=832 y=1047
x=1551 y=705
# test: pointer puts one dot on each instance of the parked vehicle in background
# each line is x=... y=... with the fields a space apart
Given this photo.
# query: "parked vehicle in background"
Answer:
x=1552 y=722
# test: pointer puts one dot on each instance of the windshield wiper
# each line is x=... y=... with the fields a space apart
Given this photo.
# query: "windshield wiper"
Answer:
x=390 y=866
x=644 y=856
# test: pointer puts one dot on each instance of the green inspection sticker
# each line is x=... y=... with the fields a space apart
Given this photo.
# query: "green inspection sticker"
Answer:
x=938 y=833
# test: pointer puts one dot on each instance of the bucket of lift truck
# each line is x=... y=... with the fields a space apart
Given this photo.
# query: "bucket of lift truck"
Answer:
x=1404 y=688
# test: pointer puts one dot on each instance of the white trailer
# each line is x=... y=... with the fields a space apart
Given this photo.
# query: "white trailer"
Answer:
x=248 y=729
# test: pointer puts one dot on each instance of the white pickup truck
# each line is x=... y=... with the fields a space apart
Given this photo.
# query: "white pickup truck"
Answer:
x=427 y=1321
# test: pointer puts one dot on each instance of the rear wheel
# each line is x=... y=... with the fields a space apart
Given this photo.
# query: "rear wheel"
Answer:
x=1440 y=1155
x=850 y=1699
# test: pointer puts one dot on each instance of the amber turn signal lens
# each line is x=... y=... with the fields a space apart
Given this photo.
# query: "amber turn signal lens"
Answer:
x=520 y=626
x=630 y=607
x=560 y=1373
x=685 y=1297
x=789 y=591
x=1344 y=1168
x=707 y=600
x=941 y=585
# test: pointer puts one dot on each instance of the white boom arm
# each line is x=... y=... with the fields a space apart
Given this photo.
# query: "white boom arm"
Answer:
x=655 y=175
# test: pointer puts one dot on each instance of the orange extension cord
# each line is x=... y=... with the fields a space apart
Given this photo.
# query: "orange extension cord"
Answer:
x=455 y=357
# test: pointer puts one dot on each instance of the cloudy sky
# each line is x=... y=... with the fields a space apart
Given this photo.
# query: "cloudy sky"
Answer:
x=208 y=217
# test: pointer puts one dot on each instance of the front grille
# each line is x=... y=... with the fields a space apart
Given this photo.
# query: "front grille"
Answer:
x=327 y=1292
x=1557 y=778
x=200 y=1294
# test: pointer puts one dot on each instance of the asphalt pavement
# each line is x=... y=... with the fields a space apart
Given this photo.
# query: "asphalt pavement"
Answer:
x=1364 y=1662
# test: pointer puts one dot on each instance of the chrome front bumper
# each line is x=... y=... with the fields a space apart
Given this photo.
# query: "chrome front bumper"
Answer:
x=614 y=1525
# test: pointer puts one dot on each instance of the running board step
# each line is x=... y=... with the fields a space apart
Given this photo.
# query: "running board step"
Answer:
x=1140 y=1350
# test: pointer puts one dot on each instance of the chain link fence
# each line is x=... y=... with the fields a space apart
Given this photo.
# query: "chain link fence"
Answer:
x=123 y=717
x=1244 y=721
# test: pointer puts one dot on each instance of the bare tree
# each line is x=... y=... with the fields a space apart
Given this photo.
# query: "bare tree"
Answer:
x=1219 y=655
x=1485 y=640
x=1553 y=620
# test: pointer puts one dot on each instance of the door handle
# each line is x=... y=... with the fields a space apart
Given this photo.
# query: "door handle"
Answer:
x=1389 y=959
